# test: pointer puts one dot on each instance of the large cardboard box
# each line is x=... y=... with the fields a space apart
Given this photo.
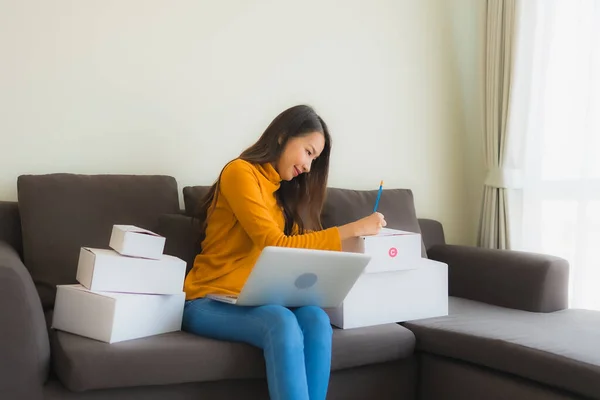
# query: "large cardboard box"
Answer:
x=133 y=241
x=107 y=270
x=395 y=296
x=390 y=250
x=115 y=317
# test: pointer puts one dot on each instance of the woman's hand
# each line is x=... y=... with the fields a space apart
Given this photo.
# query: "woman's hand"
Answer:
x=366 y=226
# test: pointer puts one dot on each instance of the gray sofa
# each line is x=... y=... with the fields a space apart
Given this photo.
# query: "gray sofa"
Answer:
x=508 y=335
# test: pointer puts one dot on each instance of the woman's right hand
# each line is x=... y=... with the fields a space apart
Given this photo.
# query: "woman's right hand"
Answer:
x=366 y=226
x=371 y=225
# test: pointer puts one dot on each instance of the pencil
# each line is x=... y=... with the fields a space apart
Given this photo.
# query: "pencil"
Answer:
x=378 y=196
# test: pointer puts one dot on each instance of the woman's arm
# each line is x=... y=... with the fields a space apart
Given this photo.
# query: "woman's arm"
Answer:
x=239 y=185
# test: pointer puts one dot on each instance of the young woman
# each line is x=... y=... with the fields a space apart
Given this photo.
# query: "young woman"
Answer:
x=270 y=196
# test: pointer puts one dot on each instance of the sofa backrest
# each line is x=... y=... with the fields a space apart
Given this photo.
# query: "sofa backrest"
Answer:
x=183 y=237
x=60 y=213
x=192 y=196
x=63 y=212
x=180 y=228
x=10 y=225
x=343 y=206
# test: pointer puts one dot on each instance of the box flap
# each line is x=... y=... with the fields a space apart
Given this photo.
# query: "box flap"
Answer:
x=84 y=289
x=390 y=232
x=136 y=229
x=112 y=295
x=102 y=252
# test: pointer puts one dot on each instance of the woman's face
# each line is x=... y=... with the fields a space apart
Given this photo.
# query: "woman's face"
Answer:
x=298 y=155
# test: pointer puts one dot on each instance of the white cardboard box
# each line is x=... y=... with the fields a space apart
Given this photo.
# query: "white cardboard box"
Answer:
x=107 y=270
x=132 y=241
x=395 y=296
x=115 y=317
x=390 y=250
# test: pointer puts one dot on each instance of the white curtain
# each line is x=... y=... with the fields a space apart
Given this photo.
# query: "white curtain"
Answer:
x=494 y=231
x=560 y=211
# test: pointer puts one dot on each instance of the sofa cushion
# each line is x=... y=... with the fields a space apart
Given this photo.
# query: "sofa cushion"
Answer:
x=178 y=357
x=10 y=225
x=559 y=349
x=182 y=237
x=192 y=196
x=432 y=232
x=62 y=212
x=343 y=206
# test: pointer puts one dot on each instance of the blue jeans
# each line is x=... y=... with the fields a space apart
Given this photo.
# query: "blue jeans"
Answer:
x=296 y=343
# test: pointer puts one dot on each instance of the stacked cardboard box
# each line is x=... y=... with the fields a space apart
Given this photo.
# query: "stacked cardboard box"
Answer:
x=129 y=291
x=398 y=284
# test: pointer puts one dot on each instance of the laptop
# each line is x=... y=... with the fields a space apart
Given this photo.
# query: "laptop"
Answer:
x=293 y=277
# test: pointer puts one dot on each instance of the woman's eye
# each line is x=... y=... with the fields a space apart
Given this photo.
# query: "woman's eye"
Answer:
x=308 y=152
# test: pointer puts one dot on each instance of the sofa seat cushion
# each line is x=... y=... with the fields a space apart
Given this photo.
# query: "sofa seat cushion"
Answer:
x=560 y=349
x=178 y=357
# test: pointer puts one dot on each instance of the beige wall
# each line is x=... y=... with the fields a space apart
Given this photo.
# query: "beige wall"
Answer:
x=179 y=88
x=466 y=26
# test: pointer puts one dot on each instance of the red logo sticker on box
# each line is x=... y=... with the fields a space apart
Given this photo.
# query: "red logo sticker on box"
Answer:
x=393 y=252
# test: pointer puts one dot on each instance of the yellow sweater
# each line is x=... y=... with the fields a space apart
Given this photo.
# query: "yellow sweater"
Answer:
x=245 y=219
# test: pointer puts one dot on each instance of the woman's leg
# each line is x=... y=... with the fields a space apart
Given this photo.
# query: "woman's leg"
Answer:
x=317 y=331
x=271 y=328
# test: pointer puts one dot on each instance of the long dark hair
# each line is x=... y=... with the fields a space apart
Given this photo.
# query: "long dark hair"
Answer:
x=301 y=198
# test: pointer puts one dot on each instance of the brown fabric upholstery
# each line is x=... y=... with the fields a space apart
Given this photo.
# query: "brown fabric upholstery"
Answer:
x=192 y=196
x=343 y=206
x=24 y=347
x=387 y=381
x=62 y=212
x=182 y=238
x=84 y=364
x=432 y=232
x=558 y=349
x=525 y=281
x=447 y=379
x=10 y=225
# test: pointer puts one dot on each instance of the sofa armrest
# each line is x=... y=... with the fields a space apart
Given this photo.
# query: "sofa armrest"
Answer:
x=513 y=279
x=432 y=232
x=24 y=344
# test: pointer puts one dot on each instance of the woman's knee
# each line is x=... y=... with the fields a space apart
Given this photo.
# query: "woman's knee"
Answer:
x=281 y=323
x=312 y=318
